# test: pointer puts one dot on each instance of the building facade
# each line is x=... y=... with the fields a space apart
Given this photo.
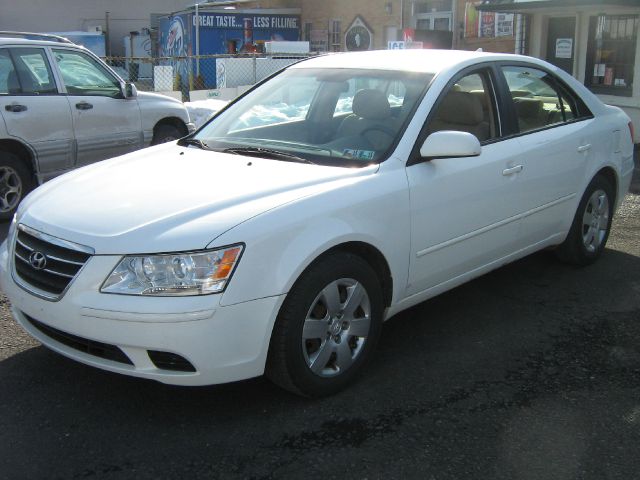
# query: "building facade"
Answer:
x=116 y=17
x=334 y=25
x=596 y=41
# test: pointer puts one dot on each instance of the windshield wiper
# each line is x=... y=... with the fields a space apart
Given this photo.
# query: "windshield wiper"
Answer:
x=267 y=153
x=184 y=142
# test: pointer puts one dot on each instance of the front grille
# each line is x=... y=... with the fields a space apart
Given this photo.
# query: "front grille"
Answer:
x=170 y=361
x=46 y=263
x=92 y=347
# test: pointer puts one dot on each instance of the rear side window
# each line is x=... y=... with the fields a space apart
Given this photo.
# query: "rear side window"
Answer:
x=540 y=100
x=25 y=71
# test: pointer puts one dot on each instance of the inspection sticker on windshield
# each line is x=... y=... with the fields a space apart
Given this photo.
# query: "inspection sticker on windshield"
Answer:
x=359 y=154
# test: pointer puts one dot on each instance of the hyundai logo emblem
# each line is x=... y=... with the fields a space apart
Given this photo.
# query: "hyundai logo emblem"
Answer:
x=38 y=260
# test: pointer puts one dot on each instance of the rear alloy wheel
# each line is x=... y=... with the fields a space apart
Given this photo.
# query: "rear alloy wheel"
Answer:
x=15 y=182
x=595 y=221
x=327 y=327
x=591 y=224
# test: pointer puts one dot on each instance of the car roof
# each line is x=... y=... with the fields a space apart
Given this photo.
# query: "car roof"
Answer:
x=413 y=60
x=9 y=40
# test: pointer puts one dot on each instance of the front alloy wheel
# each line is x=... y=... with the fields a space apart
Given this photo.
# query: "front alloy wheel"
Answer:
x=327 y=327
x=336 y=327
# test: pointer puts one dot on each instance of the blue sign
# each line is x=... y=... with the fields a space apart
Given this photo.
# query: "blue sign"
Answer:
x=221 y=33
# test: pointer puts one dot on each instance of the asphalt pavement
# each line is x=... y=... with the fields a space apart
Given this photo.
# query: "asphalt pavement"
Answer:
x=529 y=372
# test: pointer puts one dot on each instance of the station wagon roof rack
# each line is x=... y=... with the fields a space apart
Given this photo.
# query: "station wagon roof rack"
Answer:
x=34 y=36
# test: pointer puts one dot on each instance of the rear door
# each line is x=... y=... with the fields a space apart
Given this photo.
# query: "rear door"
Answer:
x=104 y=123
x=555 y=133
x=34 y=110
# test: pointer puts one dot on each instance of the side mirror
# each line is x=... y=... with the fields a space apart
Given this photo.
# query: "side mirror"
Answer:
x=449 y=143
x=129 y=90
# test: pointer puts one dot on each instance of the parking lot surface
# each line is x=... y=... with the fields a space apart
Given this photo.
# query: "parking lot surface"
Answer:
x=530 y=372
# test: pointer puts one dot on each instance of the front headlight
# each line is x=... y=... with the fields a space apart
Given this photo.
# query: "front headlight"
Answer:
x=174 y=274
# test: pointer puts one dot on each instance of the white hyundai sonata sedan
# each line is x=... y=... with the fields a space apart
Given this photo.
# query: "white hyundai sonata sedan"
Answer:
x=279 y=237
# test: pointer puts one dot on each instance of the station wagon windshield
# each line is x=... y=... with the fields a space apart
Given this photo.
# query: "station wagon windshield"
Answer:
x=339 y=117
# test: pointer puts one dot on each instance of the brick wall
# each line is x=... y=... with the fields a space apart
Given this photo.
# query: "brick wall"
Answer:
x=373 y=12
x=375 y=15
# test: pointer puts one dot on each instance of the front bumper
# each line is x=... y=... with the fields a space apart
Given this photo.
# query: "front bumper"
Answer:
x=223 y=343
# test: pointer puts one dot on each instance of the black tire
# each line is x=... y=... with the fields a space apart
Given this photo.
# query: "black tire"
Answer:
x=15 y=182
x=166 y=133
x=290 y=360
x=591 y=225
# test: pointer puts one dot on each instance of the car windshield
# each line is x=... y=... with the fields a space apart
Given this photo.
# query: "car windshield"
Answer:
x=340 y=117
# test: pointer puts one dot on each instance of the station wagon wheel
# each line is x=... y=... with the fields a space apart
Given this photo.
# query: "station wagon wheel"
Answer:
x=591 y=224
x=15 y=182
x=166 y=133
x=327 y=327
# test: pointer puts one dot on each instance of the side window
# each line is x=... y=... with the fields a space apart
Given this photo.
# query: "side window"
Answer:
x=83 y=75
x=468 y=106
x=9 y=84
x=538 y=99
x=25 y=71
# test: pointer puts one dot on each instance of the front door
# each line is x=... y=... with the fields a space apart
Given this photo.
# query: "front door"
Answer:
x=105 y=124
x=561 y=42
x=464 y=211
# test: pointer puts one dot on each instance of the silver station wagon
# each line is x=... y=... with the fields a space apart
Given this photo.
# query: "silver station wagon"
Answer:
x=61 y=107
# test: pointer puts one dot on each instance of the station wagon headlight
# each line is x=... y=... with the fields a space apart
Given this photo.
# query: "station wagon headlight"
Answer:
x=174 y=274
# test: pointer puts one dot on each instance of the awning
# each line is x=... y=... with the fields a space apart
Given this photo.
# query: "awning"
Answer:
x=535 y=5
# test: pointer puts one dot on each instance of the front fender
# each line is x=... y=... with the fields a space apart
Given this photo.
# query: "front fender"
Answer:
x=155 y=107
x=283 y=242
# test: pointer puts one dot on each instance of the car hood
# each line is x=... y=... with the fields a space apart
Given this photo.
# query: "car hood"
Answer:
x=170 y=198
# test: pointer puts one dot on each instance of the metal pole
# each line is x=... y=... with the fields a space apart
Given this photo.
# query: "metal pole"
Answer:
x=197 y=40
x=519 y=34
x=255 y=69
x=106 y=34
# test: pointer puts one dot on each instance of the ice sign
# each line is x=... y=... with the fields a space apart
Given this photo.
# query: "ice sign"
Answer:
x=395 y=46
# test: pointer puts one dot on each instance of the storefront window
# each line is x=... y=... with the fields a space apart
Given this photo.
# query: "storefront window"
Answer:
x=335 y=35
x=432 y=6
x=611 y=53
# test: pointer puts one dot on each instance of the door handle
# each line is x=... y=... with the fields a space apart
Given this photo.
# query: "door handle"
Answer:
x=84 y=106
x=512 y=170
x=15 y=108
x=584 y=148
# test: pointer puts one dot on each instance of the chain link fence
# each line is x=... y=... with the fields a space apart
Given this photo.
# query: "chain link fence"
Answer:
x=198 y=77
